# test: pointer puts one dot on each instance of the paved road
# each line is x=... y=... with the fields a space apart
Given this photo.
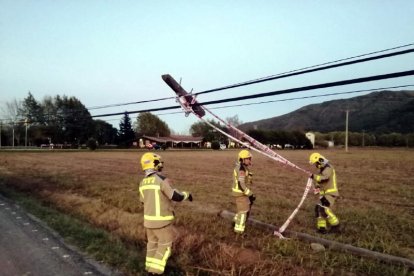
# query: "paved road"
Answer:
x=27 y=247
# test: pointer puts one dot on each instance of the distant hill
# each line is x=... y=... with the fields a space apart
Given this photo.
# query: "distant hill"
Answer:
x=377 y=112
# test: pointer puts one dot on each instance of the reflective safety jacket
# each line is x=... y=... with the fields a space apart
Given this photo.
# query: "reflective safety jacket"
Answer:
x=156 y=193
x=326 y=181
x=242 y=178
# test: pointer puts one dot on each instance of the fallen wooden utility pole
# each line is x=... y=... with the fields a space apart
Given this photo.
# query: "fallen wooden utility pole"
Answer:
x=331 y=244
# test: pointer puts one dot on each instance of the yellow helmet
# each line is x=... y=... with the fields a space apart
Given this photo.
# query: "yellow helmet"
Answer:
x=151 y=161
x=243 y=154
x=316 y=158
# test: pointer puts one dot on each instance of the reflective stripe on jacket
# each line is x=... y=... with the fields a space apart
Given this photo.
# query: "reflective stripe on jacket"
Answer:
x=241 y=179
x=156 y=193
x=326 y=181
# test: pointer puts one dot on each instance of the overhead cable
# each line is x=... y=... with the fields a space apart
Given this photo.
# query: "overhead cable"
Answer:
x=316 y=96
x=299 y=98
x=256 y=103
x=123 y=104
x=279 y=92
x=281 y=75
x=302 y=71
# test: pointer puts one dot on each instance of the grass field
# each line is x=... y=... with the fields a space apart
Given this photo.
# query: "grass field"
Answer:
x=376 y=207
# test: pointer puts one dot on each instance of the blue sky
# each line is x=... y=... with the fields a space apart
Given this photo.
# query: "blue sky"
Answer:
x=108 y=52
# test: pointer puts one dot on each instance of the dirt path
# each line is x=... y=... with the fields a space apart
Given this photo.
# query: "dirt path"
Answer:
x=30 y=248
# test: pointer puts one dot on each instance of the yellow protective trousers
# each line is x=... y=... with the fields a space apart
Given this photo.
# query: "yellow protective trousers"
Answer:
x=243 y=208
x=332 y=218
x=320 y=223
x=159 y=248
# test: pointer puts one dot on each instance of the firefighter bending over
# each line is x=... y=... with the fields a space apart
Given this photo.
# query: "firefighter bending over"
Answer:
x=157 y=194
x=326 y=187
x=243 y=195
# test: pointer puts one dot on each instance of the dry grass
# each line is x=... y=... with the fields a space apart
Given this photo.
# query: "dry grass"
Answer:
x=376 y=208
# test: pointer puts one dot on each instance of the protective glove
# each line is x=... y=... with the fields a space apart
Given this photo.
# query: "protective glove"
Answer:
x=250 y=178
x=188 y=196
x=252 y=198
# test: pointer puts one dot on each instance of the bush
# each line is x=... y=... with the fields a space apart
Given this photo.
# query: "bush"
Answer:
x=92 y=144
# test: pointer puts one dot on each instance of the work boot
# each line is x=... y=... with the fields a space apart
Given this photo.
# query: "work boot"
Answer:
x=240 y=235
x=335 y=229
x=322 y=230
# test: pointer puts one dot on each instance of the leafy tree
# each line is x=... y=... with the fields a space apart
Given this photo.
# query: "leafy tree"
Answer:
x=74 y=120
x=151 y=125
x=126 y=133
x=67 y=120
x=207 y=132
x=259 y=135
x=234 y=120
x=32 y=110
x=92 y=144
x=105 y=133
x=14 y=120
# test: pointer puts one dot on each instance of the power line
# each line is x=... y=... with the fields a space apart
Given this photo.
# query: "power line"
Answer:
x=302 y=71
x=316 y=96
x=283 y=75
x=123 y=104
x=317 y=86
x=262 y=102
x=279 y=92
x=301 y=98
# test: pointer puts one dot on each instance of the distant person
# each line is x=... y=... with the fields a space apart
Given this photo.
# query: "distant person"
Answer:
x=327 y=189
x=244 y=198
x=157 y=195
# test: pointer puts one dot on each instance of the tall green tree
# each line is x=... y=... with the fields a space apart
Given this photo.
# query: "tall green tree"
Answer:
x=151 y=125
x=67 y=120
x=105 y=133
x=32 y=110
x=126 y=133
x=32 y=113
x=207 y=132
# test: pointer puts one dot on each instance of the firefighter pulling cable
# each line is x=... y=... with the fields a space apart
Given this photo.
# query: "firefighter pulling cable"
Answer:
x=327 y=189
x=190 y=105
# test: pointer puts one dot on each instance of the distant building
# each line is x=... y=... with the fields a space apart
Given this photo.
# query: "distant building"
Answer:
x=172 y=141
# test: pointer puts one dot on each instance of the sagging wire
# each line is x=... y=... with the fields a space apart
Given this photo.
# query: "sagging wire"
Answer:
x=188 y=103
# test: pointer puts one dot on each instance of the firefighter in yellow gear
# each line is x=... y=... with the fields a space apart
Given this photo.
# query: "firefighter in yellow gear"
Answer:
x=157 y=195
x=327 y=188
x=244 y=197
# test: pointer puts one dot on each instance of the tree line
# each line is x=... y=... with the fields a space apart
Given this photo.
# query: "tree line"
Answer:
x=65 y=120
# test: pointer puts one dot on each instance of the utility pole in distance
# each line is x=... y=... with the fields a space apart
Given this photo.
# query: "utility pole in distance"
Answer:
x=346 y=127
x=25 y=141
x=363 y=138
x=346 y=130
